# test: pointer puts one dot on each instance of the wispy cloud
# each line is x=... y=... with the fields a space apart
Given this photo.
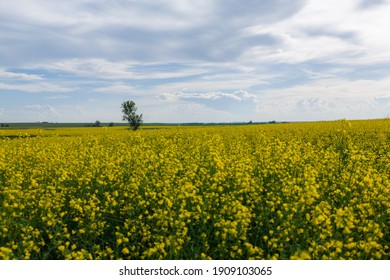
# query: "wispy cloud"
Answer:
x=39 y=112
x=116 y=88
x=36 y=87
x=122 y=70
x=57 y=97
x=9 y=75
x=240 y=95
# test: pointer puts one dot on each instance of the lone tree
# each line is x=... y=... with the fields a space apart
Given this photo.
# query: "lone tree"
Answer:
x=129 y=114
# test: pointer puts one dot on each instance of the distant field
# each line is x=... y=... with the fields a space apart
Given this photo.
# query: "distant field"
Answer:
x=29 y=130
x=278 y=191
x=46 y=132
x=49 y=125
x=65 y=125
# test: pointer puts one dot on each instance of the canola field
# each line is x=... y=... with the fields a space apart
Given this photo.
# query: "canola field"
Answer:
x=282 y=191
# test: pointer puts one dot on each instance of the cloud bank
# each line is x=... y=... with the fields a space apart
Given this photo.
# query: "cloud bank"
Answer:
x=188 y=61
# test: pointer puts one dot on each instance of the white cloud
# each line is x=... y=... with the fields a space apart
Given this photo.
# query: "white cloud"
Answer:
x=57 y=97
x=122 y=70
x=162 y=30
x=99 y=68
x=41 y=108
x=36 y=87
x=385 y=99
x=239 y=105
x=273 y=31
x=117 y=88
x=89 y=112
x=217 y=82
x=329 y=31
x=18 y=76
x=182 y=112
x=239 y=95
x=39 y=112
x=327 y=99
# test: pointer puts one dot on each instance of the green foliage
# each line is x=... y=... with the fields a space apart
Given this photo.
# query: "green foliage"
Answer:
x=130 y=115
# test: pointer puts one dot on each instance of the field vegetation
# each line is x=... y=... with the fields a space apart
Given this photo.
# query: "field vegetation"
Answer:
x=277 y=191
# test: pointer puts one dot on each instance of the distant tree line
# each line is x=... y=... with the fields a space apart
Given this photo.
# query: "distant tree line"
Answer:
x=98 y=124
x=4 y=125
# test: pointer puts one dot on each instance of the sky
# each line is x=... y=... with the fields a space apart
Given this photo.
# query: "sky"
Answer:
x=194 y=61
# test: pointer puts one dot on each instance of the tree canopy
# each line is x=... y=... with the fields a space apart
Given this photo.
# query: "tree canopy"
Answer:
x=130 y=115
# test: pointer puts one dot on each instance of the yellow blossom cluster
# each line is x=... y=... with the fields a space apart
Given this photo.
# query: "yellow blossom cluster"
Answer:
x=281 y=191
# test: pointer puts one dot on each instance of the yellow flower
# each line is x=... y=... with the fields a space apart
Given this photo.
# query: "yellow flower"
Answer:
x=303 y=255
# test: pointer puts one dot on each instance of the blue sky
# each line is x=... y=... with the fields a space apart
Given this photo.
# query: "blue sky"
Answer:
x=194 y=61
